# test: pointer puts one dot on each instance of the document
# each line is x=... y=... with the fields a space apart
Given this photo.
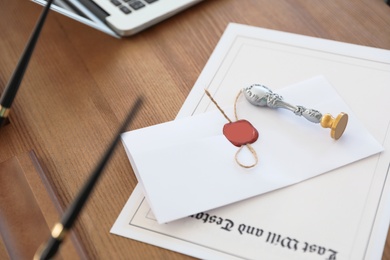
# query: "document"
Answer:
x=188 y=166
x=342 y=214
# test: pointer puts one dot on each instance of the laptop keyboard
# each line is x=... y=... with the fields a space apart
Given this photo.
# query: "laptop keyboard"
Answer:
x=127 y=6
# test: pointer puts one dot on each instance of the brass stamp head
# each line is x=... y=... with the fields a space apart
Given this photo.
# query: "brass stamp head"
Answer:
x=337 y=125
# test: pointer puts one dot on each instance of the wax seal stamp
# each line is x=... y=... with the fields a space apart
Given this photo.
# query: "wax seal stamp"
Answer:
x=260 y=95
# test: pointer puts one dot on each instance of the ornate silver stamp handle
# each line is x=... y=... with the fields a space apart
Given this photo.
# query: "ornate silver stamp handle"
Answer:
x=260 y=95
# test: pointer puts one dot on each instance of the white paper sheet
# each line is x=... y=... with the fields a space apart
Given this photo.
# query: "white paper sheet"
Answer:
x=343 y=214
x=187 y=166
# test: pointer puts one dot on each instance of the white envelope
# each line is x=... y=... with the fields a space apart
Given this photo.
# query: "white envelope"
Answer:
x=187 y=166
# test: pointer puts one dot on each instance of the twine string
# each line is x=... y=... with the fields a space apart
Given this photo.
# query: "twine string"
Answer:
x=249 y=146
x=253 y=151
x=235 y=104
x=216 y=104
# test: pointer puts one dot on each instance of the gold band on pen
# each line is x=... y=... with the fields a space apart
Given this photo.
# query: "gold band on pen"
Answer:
x=58 y=232
x=4 y=111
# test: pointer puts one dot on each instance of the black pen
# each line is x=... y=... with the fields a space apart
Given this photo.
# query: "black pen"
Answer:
x=12 y=87
x=58 y=233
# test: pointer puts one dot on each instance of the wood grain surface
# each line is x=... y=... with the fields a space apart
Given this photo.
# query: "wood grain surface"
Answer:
x=80 y=84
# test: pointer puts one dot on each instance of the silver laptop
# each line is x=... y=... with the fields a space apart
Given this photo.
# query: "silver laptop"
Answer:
x=119 y=17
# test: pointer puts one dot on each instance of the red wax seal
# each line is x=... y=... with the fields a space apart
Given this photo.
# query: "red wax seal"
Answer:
x=240 y=132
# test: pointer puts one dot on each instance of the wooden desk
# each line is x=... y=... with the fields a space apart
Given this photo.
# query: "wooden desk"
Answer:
x=80 y=84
